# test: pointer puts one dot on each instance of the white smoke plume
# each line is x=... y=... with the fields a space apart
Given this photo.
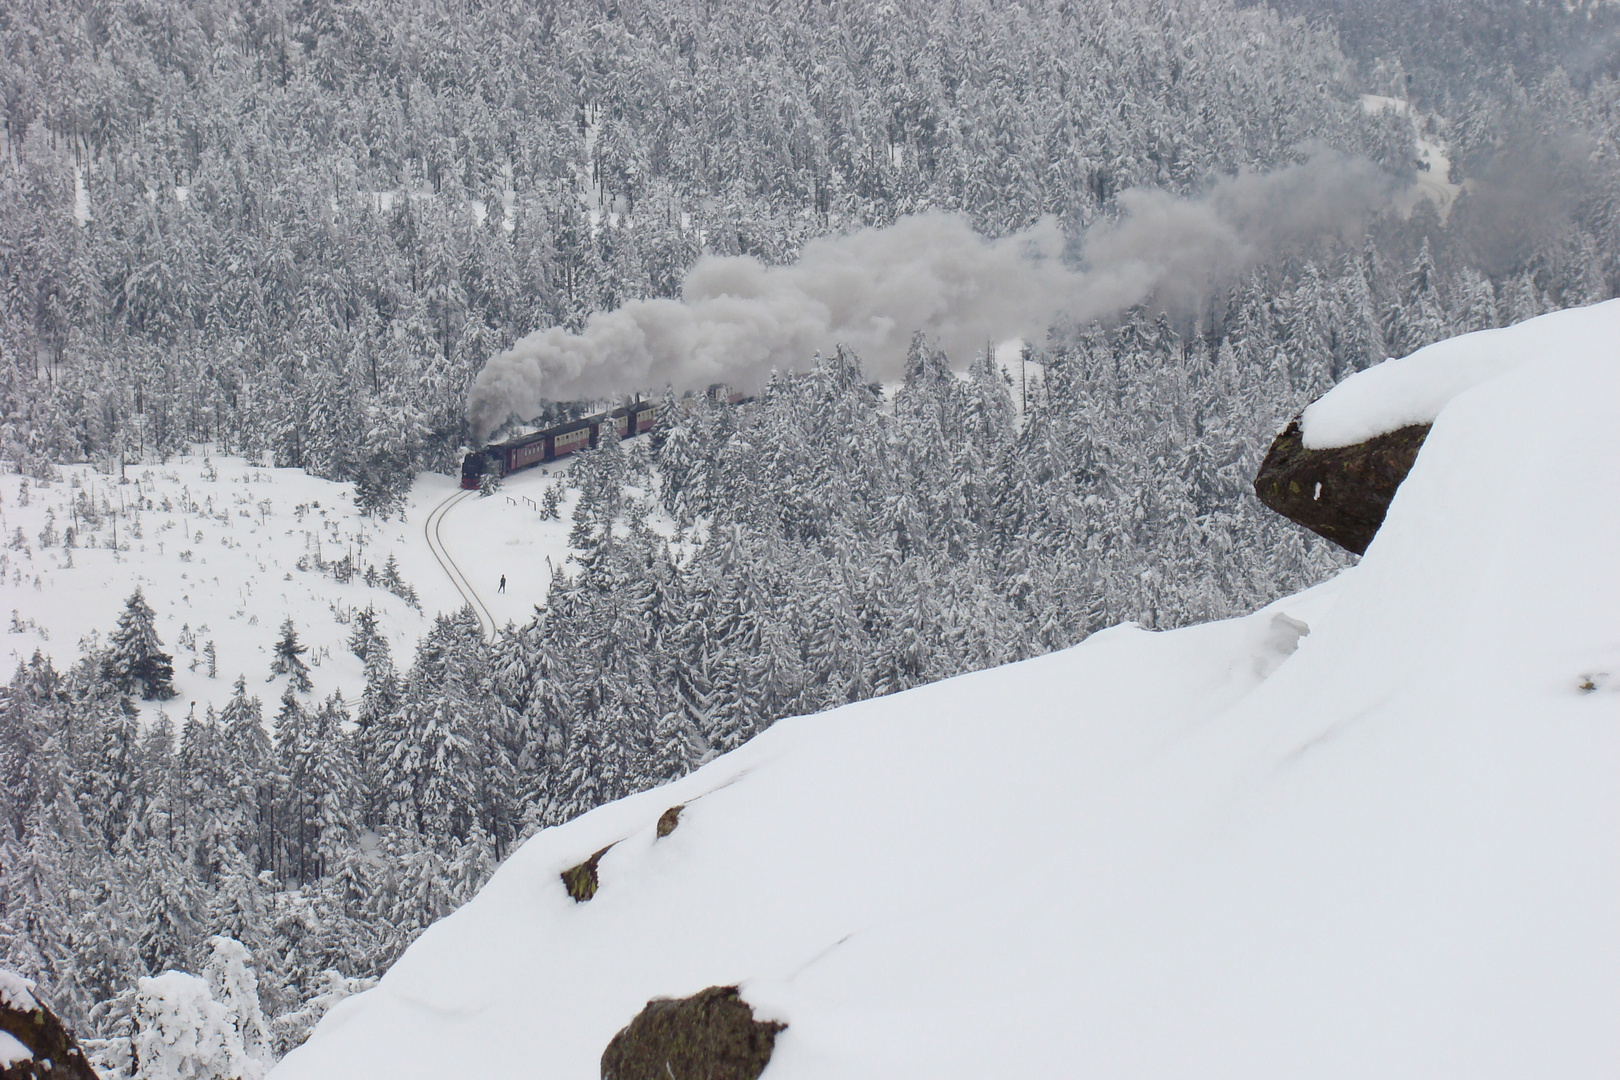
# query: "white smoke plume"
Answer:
x=738 y=318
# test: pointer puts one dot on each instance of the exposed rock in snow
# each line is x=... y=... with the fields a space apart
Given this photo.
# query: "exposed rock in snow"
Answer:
x=34 y=1045
x=712 y=1034
x=1341 y=492
x=669 y=821
x=1335 y=468
x=582 y=881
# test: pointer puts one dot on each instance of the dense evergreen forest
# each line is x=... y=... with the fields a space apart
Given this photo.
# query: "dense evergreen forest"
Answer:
x=297 y=229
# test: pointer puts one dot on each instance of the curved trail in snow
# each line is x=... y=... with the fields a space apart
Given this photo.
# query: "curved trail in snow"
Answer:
x=436 y=545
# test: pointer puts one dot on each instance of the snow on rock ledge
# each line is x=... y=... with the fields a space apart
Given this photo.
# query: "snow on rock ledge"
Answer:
x=1335 y=468
x=1197 y=854
x=34 y=1045
x=1413 y=389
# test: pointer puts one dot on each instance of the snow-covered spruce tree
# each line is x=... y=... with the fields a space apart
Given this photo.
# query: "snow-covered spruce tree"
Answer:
x=1419 y=316
x=183 y=1033
x=234 y=984
x=207 y=816
x=378 y=492
x=135 y=661
x=379 y=704
x=437 y=759
x=397 y=585
x=319 y=817
x=292 y=834
x=289 y=658
x=42 y=841
x=365 y=633
x=250 y=776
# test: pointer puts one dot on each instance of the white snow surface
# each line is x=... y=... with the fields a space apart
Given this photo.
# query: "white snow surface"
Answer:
x=12 y=1050
x=17 y=992
x=1413 y=389
x=1385 y=847
x=223 y=562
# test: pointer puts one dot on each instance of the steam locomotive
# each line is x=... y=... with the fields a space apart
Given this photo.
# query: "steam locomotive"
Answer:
x=527 y=451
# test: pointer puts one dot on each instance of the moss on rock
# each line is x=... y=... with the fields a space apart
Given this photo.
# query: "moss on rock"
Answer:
x=711 y=1035
x=581 y=881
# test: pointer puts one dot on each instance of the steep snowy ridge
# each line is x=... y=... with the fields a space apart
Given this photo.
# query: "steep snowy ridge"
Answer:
x=1201 y=853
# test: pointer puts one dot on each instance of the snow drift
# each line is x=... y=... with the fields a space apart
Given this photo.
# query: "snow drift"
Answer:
x=1413 y=389
x=1368 y=831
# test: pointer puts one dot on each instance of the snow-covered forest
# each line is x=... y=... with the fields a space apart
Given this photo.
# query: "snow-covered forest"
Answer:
x=296 y=231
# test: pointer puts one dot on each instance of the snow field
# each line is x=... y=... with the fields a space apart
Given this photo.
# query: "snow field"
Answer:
x=501 y=534
x=1203 y=853
x=215 y=544
x=12 y=1050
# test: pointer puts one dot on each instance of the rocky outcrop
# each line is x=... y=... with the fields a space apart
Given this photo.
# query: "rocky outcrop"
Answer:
x=1341 y=493
x=34 y=1044
x=712 y=1035
x=581 y=881
x=669 y=819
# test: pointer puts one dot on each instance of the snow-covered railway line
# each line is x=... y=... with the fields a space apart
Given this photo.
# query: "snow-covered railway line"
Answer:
x=486 y=622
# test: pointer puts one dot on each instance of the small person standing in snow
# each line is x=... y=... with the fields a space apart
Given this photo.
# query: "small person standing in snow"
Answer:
x=503 y=584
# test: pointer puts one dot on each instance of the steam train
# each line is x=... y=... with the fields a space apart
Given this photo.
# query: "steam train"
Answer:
x=527 y=451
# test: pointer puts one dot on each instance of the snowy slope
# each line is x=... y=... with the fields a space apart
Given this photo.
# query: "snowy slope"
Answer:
x=1389 y=853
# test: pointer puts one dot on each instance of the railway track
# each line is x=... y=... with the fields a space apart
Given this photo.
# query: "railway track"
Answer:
x=430 y=529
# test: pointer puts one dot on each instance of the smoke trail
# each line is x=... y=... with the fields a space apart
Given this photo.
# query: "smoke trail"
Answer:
x=737 y=318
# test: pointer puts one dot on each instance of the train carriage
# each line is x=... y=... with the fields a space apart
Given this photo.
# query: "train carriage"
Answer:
x=537 y=448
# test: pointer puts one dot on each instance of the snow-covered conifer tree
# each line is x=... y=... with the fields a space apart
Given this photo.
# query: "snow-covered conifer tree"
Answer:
x=233 y=983
x=289 y=658
x=135 y=660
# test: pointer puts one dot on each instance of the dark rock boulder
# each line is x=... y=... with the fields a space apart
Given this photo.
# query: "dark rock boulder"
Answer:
x=1340 y=493
x=712 y=1035
x=51 y=1052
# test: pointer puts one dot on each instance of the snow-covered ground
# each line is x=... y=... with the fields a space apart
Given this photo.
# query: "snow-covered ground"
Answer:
x=1433 y=181
x=1368 y=831
x=224 y=550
